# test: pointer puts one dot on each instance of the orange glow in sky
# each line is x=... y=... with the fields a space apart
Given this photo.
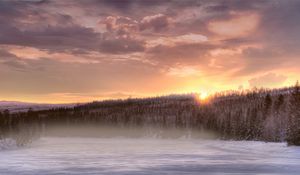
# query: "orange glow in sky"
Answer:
x=68 y=52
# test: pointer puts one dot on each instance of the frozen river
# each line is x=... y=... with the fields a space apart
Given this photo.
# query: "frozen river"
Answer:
x=120 y=156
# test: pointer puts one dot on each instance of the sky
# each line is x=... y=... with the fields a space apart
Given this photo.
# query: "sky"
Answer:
x=54 y=51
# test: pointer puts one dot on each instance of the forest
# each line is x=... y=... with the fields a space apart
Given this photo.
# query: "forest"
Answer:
x=271 y=115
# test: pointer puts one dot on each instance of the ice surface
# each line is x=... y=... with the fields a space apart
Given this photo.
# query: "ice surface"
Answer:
x=120 y=156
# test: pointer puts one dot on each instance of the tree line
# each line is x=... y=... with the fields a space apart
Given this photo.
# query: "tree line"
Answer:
x=259 y=114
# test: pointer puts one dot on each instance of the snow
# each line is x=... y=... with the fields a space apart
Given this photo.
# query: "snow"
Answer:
x=148 y=156
x=6 y=144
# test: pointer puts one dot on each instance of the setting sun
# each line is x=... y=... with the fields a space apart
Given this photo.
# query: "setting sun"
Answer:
x=203 y=95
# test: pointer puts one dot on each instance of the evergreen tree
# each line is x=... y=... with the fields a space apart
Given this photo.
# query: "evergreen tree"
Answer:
x=2 y=125
x=279 y=102
x=267 y=104
x=293 y=132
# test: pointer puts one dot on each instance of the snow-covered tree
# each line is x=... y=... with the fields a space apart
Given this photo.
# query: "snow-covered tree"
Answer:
x=293 y=137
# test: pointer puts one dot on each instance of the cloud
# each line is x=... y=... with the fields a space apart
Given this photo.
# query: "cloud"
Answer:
x=234 y=5
x=240 y=25
x=268 y=80
x=125 y=6
x=11 y=61
x=187 y=53
x=53 y=38
x=280 y=26
x=190 y=38
x=15 y=63
x=156 y=22
x=56 y=32
x=121 y=45
x=125 y=25
x=183 y=71
x=69 y=38
x=120 y=25
x=146 y=42
x=276 y=39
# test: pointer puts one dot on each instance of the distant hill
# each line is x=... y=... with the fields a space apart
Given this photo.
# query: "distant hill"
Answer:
x=16 y=106
x=258 y=114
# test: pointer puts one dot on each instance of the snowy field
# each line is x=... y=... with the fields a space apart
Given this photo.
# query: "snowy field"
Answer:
x=145 y=156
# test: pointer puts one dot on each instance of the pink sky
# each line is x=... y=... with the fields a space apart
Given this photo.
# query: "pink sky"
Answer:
x=76 y=51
